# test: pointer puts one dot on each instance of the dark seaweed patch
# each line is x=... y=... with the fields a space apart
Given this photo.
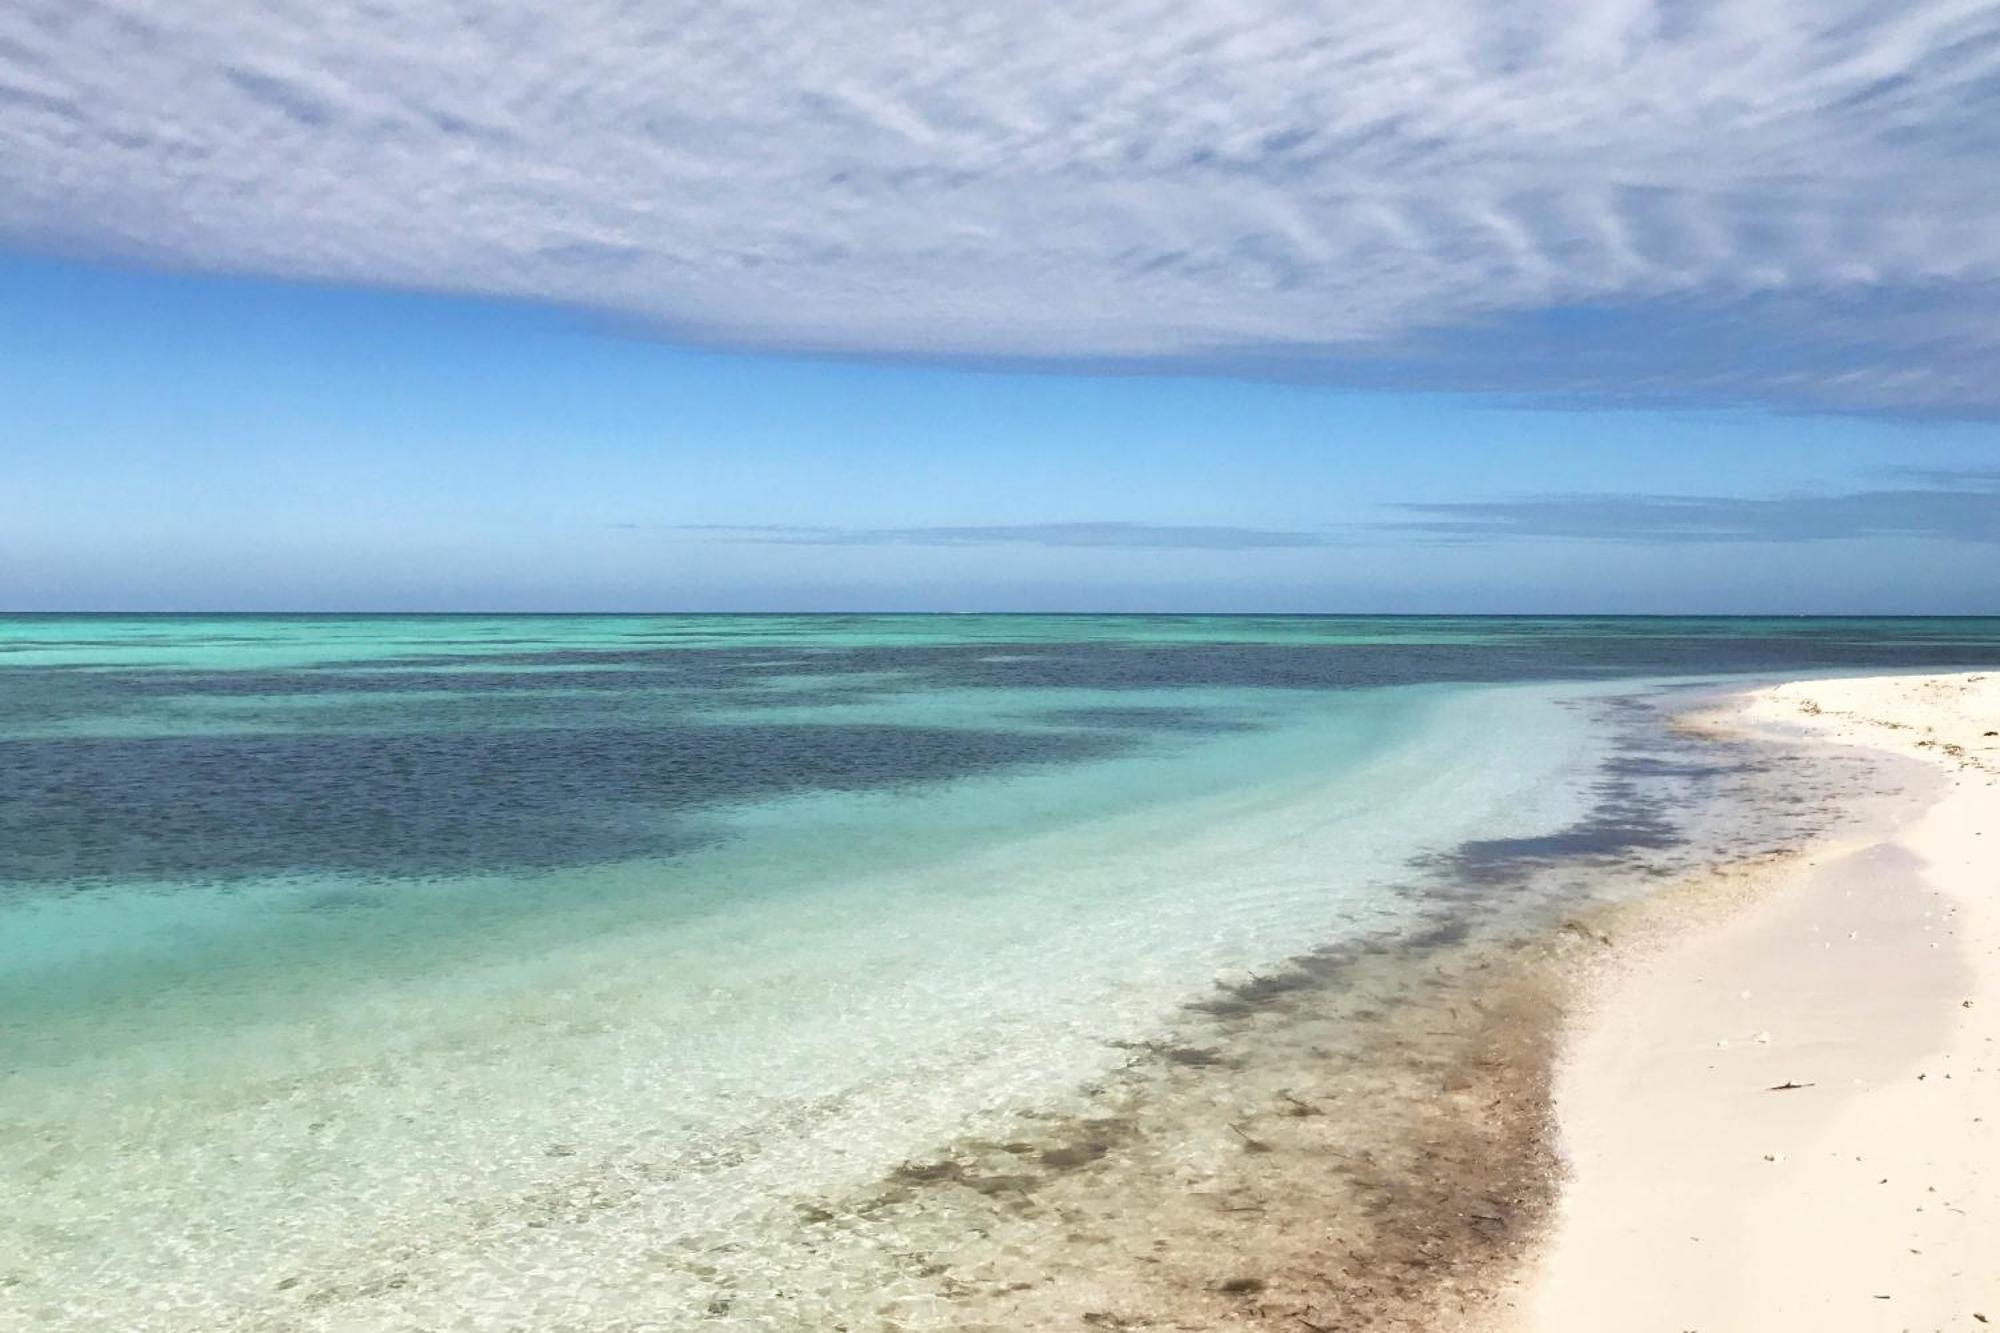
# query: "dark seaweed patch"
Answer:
x=217 y=807
x=1195 y=721
x=443 y=763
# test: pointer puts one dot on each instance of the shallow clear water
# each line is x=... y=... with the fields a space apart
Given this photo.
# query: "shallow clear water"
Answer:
x=338 y=955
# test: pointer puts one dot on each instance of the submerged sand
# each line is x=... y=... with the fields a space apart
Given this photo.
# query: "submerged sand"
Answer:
x=1550 y=1110
x=1364 y=1137
x=1369 y=1136
x=1789 y=1118
x=1757 y=1095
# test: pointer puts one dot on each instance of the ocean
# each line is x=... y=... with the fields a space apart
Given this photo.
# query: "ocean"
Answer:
x=655 y=972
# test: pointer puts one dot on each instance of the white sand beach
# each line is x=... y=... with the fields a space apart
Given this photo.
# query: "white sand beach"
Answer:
x=1790 y=1119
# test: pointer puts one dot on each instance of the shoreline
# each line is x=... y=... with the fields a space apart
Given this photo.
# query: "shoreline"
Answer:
x=1367 y=1135
x=1783 y=1110
x=1363 y=1135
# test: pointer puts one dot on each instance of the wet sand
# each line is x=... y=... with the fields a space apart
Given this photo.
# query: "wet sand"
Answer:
x=1787 y=1115
x=1364 y=1137
x=1734 y=1085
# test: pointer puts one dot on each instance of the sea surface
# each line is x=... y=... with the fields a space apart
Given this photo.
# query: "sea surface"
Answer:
x=550 y=972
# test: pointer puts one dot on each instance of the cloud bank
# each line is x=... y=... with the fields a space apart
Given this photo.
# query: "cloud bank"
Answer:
x=1955 y=507
x=1790 y=201
x=1129 y=536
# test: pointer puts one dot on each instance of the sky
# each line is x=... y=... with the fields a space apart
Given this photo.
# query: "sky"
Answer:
x=1432 y=305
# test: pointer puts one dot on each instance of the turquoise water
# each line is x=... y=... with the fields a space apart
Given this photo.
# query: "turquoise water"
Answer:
x=404 y=972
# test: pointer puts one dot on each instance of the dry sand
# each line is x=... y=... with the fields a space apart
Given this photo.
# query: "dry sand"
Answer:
x=1791 y=1119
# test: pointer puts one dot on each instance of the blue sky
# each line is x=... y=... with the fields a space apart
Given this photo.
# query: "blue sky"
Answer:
x=1268 y=305
x=188 y=441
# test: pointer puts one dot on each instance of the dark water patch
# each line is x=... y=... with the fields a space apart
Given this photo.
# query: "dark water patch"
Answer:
x=169 y=702
x=1063 y=1146
x=344 y=900
x=1458 y=652
x=1603 y=838
x=1307 y=665
x=311 y=683
x=1444 y=934
x=1197 y=721
x=1644 y=766
x=1654 y=776
x=1102 y=655
x=448 y=802
x=1242 y=999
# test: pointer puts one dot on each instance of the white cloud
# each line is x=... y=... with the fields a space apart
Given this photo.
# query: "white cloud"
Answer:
x=1198 y=181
